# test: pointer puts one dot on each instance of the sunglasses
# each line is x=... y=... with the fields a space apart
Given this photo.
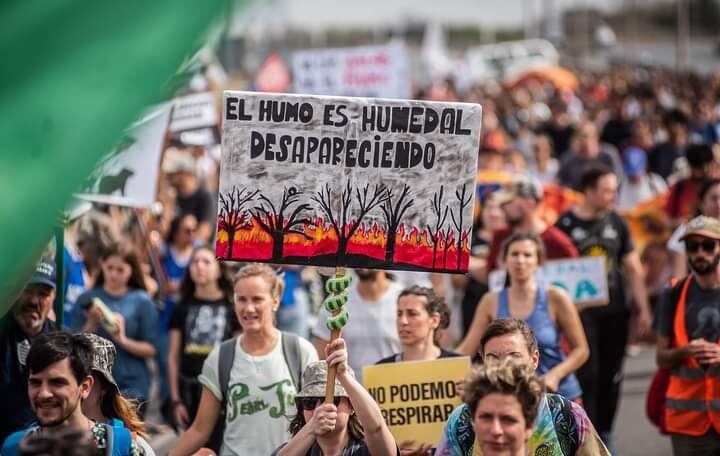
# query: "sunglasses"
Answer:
x=708 y=246
x=309 y=403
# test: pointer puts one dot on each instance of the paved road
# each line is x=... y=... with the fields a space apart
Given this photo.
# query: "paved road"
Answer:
x=634 y=434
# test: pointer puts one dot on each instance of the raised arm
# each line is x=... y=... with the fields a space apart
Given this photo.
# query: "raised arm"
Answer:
x=377 y=435
x=484 y=314
x=568 y=322
x=201 y=429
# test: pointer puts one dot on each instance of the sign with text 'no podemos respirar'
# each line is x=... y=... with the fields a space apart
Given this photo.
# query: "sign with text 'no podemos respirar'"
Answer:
x=341 y=181
x=416 y=397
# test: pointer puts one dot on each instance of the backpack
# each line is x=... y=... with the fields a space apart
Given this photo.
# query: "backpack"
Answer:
x=657 y=392
x=118 y=440
x=291 y=353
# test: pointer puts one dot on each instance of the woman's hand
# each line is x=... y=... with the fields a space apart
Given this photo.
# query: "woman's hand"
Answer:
x=552 y=381
x=323 y=419
x=119 y=334
x=181 y=415
x=93 y=317
x=336 y=355
x=410 y=448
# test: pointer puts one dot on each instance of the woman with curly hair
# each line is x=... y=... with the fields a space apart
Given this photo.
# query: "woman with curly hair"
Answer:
x=503 y=398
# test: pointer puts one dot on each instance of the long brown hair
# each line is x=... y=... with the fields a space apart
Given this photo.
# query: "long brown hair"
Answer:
x=126 y=251
x=354 y=427
x=187 y=286
x=114 y=405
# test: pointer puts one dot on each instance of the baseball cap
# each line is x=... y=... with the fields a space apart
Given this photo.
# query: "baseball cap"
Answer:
x=634 y=161
x=524 y=186
x=708 y=227
x=314 y=380
x=44 y=273
x=103 y=357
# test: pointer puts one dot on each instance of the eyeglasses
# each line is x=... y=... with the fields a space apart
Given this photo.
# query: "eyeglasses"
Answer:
x=708 y=246
x=309 y=403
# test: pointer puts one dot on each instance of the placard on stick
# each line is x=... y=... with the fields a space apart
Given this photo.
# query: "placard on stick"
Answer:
x=416 y=397
x=340 y=181
x=584 y=279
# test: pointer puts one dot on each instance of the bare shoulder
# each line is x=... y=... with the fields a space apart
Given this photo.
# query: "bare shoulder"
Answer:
x=557 y=294
x=489 y=302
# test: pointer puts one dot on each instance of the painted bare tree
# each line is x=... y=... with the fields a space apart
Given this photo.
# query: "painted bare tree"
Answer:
x=448 y=240
x=440 y=217
x=463 y=199
x=233 y=215
x=393 y=213
x=342 y=224
x=277 y=222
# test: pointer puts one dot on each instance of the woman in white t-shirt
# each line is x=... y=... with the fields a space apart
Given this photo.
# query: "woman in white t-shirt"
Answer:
x=260 y=391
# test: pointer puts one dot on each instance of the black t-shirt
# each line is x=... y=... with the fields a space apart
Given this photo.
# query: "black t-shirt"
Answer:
x=204 y=325
x=397 y=357
x=200 y=204
x=702 y=313
x=608 y=237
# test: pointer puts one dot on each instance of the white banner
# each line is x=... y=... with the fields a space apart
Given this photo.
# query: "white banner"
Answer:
x=128 y=175
x=367 y=71
x=194 y=111
x=584 y=279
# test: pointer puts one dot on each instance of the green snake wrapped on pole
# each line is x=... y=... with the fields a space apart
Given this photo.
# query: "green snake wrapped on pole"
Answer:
x=335 y=305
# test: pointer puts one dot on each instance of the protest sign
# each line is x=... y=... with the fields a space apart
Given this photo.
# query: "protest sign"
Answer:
x=416 y=397
x=331 y=181
x=367 y=71
x=584 y=279
x=195 y=120
x=128 y=175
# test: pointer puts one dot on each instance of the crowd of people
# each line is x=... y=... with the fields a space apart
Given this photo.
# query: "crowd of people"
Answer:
x=240 y=356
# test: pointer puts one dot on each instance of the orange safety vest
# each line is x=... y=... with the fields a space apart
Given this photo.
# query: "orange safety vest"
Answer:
x=693 y=395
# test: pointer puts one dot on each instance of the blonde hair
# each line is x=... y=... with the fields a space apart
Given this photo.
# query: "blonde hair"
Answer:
x=277 y=284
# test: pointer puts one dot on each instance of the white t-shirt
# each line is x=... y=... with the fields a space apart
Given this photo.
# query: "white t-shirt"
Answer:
x=261 y=398
x=371 y=333
x=633 y=193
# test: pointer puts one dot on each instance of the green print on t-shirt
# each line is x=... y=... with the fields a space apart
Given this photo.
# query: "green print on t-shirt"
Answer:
x=240 y=391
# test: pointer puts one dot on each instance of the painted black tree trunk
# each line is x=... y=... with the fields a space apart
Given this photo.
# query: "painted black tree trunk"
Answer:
x=341 y=222
x=274 y=220
x=393 y=215
x=233 y=214
x=440 y=217
x=463 y=199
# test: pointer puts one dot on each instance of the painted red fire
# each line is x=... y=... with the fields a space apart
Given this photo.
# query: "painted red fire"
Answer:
x=413 y=247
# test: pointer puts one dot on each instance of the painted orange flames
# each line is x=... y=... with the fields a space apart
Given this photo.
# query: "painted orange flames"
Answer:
x=414 y=248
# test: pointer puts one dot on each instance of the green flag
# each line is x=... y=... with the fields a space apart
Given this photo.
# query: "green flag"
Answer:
x=74 y=74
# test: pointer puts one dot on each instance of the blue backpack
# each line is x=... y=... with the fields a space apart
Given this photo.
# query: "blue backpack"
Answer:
x=118 y=438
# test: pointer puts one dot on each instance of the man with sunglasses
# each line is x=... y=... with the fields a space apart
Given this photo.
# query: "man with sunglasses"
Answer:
x=688 y=334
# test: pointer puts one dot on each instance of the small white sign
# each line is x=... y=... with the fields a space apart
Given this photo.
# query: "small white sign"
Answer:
x=584 y=279
x=194 y=111
x=367 y=71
